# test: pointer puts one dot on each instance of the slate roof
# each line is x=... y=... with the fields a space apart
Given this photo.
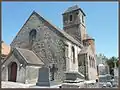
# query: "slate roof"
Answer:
x=73 y=8
x=29 y=57
x=84 y=50
x=88 y=37
x=76 y=7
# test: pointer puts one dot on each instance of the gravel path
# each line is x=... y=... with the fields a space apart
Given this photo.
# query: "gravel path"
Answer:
x=7 y=84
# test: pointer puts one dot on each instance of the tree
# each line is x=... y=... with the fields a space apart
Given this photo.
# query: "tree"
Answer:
x=111 y=63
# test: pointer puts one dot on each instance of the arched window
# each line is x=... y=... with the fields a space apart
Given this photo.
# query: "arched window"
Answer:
x=90 y=59
x=82 y=19
x=93 y=62
x=32 y=35
x=70 y=17
x=73 y=54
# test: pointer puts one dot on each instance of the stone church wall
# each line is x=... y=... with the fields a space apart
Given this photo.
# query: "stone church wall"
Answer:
x=22 y=38
x=92 y=71
x=69 y=62
x=4 y=74
x=81 y=61
x=74 y=34
x=20 y=71
x=31 y=74
x=48 y=46
x=75 y=20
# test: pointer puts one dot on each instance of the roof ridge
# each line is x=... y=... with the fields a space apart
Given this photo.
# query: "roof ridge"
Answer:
x=73 y=8
x=24 y=49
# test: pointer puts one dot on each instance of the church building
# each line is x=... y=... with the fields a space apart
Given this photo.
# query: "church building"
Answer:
x=41 y=44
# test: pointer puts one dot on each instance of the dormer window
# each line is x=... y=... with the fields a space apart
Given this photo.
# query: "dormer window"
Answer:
x=71 y=17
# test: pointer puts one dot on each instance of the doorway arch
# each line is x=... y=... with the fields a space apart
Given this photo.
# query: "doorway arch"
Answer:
x=12 y=72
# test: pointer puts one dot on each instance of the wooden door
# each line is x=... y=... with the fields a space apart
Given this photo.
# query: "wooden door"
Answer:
x=13 y=74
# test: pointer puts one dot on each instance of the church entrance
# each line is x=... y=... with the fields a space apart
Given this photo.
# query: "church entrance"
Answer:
x=12 y=72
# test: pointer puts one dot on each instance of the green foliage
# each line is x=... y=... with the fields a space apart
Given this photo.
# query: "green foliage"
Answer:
x=111 y=63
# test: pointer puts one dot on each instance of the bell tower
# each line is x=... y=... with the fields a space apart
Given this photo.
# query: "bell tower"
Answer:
x=74 y=23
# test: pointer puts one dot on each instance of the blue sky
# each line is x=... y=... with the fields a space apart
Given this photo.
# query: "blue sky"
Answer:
x=101 y=20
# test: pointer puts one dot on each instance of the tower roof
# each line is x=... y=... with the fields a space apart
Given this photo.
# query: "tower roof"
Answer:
x=73 y=8
x=87 y=37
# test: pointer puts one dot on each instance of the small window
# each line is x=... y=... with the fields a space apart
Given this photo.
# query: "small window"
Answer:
x=82 y=19
x=70 y=17
x=32 y=35
x=92 y=63
x=66 y=51
x=73 y=54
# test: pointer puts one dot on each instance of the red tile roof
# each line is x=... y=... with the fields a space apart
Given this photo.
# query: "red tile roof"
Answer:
x=5 y=49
